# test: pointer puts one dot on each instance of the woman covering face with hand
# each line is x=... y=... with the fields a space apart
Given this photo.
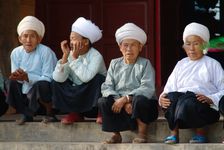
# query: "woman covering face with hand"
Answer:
x=79 y=73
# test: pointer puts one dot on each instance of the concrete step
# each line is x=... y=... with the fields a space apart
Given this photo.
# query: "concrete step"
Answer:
x=100 y=146
x=91 y=132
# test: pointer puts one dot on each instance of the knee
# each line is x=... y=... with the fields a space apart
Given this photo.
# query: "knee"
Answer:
x=140 y=101
x=42 y=84
x=102 y=102
x=221 y=105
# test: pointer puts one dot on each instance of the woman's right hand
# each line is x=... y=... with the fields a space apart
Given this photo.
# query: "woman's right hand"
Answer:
x=65 y=48
x=164 y=102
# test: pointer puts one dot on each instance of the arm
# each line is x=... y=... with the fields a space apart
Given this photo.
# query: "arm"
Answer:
x=85 y=68
x=218 y=80
x=61 y=72
x=108 y=86
x=147 y=87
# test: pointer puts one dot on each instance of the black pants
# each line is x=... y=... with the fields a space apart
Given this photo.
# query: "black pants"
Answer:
x=80 y=98
x=142 y=108
x=27 y=104
x=186 y=111
x=221 y=106
x=3 y=104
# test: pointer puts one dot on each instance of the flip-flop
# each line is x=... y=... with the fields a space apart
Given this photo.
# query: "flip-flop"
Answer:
x=171 y=140
x=198 y=139
x=139 y=140
x=114 y=140
x=47 y=119
x=24 y=119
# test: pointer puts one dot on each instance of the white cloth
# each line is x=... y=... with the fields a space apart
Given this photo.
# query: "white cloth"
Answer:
x=31 y=23
x=204 y=76
x=80 y=70
x=130 y=31
x=196 y=29
x=39 y=64
x=87 y=29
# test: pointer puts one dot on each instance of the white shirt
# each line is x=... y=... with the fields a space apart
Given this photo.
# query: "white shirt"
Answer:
x=82 y=69
x=129 y=79
x=204 y=76
x=38 y=64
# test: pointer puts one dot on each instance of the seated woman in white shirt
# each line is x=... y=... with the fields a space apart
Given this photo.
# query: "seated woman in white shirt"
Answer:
x=32 y=65
x=79 y=74
x=192 y=93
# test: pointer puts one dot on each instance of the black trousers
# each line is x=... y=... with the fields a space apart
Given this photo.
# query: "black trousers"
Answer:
x=80 y=98
x=3 y=104
x=142 y=108
x=221 y=106
x=27 y=104
x=186 y=111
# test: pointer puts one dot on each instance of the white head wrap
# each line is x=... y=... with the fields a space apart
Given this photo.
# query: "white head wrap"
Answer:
x=130 y=31
x=196 y=29
x=87 y=29
x=31 y=23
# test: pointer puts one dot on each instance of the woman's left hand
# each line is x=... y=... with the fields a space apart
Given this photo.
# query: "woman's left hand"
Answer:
x=204 y=99
x=118 y=104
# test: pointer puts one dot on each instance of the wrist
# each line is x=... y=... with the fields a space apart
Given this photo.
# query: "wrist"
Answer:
x=128 y=98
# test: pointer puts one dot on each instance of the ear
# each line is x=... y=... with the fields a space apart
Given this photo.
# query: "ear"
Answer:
x=20 y=40
x=140 y=47
x=86 y=42
x=39 y=39
x=119 y=45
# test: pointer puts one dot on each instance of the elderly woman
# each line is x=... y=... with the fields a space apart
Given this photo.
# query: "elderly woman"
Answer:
x=194 y=88
x=128 y=100
x=32 y=65
x=79 y=73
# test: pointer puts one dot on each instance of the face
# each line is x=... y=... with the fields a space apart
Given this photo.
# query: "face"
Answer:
x=29 y=39
x=130 y=49
x=78 y=41
x=193 y=47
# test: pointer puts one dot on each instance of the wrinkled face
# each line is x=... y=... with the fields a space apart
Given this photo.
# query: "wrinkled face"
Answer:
x=29 y=39
x=130 y=49
x=193 y=47
x=78 y=41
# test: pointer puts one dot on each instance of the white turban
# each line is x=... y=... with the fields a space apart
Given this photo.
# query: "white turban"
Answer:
x=130 y=31
x=87 y=29
x=198 y=30
x=31 y=23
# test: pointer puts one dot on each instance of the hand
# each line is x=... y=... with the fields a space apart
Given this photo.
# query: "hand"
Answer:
x=128 y=108
x=77 y=46
x=165 y=102
x=20 y=75
x=204 y=99
x=65 y=48
x=118 y=104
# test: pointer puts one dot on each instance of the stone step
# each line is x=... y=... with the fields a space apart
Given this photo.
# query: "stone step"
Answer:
x=91 y=132
x=100 y=146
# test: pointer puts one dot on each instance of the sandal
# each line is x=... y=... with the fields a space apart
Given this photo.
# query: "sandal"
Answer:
x=198 y=139
x=114 y=139
x=24 y=119
x=139 y=140
x=171 y=140
x=71 y=118
x=49 y=118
